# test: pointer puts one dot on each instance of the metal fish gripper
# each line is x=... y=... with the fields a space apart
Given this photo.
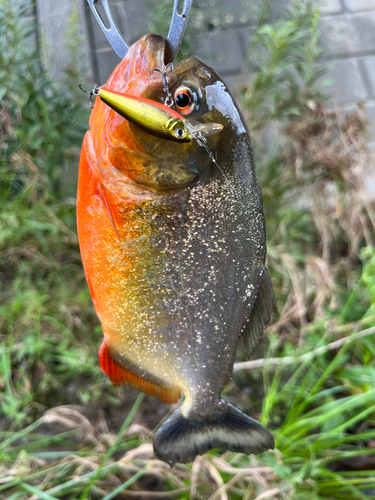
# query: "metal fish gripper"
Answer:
x=180 y=17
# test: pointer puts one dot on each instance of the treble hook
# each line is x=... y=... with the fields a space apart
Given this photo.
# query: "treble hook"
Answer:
x=168 y=101
x=175 y=35
x=94 y=92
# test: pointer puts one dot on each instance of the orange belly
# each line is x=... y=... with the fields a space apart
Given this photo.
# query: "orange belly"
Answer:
x=121 y=268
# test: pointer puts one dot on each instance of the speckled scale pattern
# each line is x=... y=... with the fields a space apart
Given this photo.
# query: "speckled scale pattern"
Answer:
x=213 y=241
x=173 y=275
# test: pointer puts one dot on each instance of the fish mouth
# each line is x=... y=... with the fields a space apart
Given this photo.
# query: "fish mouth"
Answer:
x=144 y=154
x=142 y=99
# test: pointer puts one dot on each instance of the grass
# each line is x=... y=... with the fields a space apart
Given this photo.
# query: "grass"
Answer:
x=324 y=428
x=65 y=431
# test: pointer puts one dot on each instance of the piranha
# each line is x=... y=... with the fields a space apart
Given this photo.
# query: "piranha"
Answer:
x=172 y=236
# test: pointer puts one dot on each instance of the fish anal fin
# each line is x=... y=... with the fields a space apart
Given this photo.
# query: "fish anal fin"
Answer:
x=260 y=314
x=143 y=382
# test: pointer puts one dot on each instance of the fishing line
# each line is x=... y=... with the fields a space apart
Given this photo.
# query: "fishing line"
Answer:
x=202 y=141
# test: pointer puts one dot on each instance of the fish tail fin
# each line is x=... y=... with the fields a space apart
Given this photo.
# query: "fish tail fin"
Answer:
x=181 y=439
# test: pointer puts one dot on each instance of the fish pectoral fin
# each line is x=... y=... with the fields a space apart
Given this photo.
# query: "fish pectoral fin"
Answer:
x=180 y=439
x=137 y=378
x=260 y=314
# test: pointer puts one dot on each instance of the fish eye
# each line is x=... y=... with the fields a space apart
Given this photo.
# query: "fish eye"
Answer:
x=184 y=100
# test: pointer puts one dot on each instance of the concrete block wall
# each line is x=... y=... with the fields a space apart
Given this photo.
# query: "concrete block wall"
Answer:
x=131 y=17
x=347 y=33
x=224 y=48
x=52 y=20
x=28 y=19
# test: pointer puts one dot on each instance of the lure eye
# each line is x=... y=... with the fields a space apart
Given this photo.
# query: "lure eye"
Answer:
x=180 y=132
x=184 y=100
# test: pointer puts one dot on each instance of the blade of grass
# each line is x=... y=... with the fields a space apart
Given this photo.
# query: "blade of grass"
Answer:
x=127 y=483
x=20 y=434
x=31 y=477
x=35 y=491
x=319 y=415
x=330 y=368
x=359 y=417
x=309 y=356
x=65 y=488
x=112 y=448
x=352 y=480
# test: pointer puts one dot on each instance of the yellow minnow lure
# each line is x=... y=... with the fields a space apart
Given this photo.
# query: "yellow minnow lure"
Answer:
x=155 y=118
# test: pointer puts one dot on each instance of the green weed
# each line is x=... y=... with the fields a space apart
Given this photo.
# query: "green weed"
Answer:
x=318 y=372
x=42 y=287
x=204 y=17
x=283 y=60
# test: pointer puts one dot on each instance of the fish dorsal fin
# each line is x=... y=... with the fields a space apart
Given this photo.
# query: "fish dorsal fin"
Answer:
x=260 y=314
x=144 y=382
